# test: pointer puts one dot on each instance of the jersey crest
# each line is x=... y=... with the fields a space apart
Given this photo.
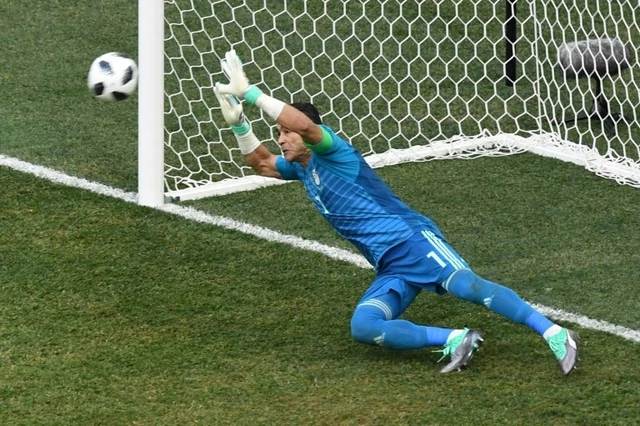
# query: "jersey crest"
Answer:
x=316 y=177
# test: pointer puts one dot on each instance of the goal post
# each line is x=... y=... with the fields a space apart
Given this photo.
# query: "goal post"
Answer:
x=151 y=142
x=401 y=80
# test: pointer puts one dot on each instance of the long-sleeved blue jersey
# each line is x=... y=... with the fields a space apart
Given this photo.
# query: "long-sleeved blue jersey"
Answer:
x=353 y=198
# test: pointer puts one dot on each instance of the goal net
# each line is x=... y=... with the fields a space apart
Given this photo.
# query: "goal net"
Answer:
x=401 y=80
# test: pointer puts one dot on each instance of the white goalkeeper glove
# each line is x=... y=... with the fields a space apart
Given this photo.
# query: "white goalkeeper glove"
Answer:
x=232 y=111
x=238 y=82
x=240 y=88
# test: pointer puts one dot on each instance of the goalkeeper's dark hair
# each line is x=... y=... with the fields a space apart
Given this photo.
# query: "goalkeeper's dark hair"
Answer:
x=309 y=110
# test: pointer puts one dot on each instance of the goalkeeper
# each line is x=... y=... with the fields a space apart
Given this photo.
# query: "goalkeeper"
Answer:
x=407 y=249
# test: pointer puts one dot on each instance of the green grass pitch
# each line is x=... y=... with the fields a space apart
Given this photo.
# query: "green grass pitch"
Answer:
x=116 y=314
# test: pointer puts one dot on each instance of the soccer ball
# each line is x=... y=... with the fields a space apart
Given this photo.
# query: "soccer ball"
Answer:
x=113 y=77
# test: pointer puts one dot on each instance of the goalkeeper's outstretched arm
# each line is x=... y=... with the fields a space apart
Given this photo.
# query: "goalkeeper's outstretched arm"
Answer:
x=256 y=155
x=262 y=161
x=285 y=115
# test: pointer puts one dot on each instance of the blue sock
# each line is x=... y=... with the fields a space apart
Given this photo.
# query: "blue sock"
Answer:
x=466 y=285
x=539 y=322
x=370 y=325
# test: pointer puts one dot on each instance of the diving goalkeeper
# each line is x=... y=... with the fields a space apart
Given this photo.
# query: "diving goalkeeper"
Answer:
x=408 y=251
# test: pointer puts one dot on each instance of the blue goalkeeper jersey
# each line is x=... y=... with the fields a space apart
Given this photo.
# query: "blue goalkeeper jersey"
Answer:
x=353 y=198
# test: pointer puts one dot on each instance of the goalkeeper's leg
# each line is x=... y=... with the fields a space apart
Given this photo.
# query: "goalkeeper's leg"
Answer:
x=375 y=319
x=466 y=285
x=430 y=259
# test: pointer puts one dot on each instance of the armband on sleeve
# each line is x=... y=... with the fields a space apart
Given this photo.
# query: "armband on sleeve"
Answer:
x=324 y=145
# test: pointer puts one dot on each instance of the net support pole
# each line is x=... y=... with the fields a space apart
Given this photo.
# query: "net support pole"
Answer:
x=510 y=35
x=151 y=102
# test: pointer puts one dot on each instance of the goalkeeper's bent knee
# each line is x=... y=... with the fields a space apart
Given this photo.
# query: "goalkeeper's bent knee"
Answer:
x=367 y=322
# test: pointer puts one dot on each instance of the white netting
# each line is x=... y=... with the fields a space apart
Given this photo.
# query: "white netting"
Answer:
x=604 y=36
x=402 y=80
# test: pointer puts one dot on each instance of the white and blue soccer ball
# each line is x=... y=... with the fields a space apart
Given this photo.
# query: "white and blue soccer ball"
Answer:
x=113 y=76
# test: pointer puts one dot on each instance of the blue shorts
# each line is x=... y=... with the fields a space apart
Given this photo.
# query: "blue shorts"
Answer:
x=423 y=262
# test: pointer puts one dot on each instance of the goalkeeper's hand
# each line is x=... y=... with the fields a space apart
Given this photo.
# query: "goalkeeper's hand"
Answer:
x=238 y=82
x=232 y=111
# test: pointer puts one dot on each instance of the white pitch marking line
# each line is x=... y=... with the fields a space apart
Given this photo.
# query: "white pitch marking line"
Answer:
x=274 y=236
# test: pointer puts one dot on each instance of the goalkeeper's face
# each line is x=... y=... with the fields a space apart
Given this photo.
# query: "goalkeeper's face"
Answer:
x=293 y=149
